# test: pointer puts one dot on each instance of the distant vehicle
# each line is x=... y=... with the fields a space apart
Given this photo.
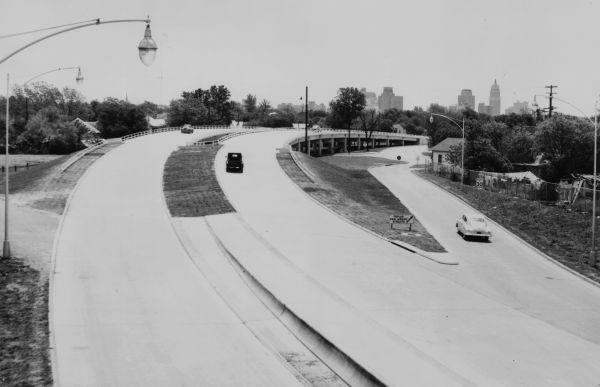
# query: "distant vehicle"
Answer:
x=187 y=129
x=473 y=225
x=234 y=162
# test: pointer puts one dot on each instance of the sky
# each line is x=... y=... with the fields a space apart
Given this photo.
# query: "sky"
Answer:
x=427 y=50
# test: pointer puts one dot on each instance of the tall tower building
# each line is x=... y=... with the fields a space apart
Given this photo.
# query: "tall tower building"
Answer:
x=495 y=99
x=371 y=99
x=466 y=99
x=388 y=100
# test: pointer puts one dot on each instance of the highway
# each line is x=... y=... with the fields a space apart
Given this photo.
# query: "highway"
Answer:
x=503 y=317
x=136 y=299
x=128 y=306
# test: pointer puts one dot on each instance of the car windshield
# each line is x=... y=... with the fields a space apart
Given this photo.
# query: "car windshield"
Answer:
x=478 y=220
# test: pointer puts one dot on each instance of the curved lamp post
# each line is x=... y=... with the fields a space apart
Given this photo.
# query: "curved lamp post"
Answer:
x=462 y=127
x=78 y=80
x=147 y=52
x=595 y=123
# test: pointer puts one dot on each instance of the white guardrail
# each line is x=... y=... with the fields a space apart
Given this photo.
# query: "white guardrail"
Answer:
x=73 y=159
x=170 y=129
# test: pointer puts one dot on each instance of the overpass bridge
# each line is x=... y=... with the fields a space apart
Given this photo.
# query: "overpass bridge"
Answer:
x=330 y=141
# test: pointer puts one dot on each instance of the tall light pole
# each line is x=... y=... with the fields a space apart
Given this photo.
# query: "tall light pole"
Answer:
x=6 y=244
x=306 y=123
x=147 y=53
x=462 y=127
x=78 y=80
x=594 y=185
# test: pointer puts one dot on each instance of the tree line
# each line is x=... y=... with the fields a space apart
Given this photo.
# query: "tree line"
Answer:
x=563 y=145
x=42 y=122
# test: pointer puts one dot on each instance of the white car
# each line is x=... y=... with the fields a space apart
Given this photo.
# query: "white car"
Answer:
x=473 y=225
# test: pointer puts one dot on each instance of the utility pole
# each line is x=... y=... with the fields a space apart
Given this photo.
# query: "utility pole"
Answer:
x=306 y=123
x=550 y=108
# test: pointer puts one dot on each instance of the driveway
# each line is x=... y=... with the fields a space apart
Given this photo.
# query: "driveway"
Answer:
x=128 y=306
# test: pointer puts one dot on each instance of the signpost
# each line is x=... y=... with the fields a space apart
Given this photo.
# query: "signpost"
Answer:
x=401 y=219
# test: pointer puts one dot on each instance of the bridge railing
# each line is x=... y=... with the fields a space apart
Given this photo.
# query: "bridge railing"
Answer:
x=171 y=129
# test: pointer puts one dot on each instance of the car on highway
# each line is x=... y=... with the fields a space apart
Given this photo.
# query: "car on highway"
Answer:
x=234 y=162
x=187 y=129
x=473 y=225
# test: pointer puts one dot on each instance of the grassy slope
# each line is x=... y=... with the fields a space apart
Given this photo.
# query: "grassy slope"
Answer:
x=562 y=234
x=344 y=185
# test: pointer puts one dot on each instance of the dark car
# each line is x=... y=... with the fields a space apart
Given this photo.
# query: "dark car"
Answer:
x=187 y=129
x=234 y=162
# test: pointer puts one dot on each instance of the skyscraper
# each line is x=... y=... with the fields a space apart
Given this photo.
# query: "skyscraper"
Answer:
x=495 y=99
x=387 y=100
x=371 y=99
x=466 y=99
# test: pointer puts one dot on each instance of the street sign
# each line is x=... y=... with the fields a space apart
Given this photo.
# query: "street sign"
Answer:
x=402 y=219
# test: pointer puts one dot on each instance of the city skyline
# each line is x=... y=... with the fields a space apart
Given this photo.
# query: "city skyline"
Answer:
x=273 y=49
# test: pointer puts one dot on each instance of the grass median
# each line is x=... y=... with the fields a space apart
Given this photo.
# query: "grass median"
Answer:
x=190 y=184
x=561 y=234
x=344 y=185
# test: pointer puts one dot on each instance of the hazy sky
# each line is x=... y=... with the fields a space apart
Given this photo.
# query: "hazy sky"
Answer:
x=427 y=50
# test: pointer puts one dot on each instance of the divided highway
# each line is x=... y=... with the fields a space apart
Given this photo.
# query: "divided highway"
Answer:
x=128 y=306
x=503 y=317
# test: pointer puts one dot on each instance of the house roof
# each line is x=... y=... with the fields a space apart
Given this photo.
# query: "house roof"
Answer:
x=90 y=126
x=445 y=145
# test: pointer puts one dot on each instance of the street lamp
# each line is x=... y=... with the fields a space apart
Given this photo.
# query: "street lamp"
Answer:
x=78 y=80
x=595 y=123
x=147 y=52
x=462 y=157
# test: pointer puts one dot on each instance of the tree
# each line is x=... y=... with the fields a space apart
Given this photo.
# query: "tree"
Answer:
x=519 y=145
x=118 y=118
x=369 y=122
x=216 y=103
x=249 y=104
x=150 y=108
x=264 y=108
x=567 y=144
x=348 y=105
x=49 y=131
x=480 y=153
x=187 y=111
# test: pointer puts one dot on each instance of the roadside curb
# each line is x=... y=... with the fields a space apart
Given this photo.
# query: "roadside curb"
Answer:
x=51 y=338
x=524 y=242
x=420 y=252
x=301 y=165
x=404 y=245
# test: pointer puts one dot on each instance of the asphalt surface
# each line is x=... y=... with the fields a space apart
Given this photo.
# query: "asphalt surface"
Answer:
x=504 y=317
x=128 y=305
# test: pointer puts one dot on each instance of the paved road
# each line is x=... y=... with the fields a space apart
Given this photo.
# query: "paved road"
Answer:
x=494 y=320
x=128 y=306
x=506 y=269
